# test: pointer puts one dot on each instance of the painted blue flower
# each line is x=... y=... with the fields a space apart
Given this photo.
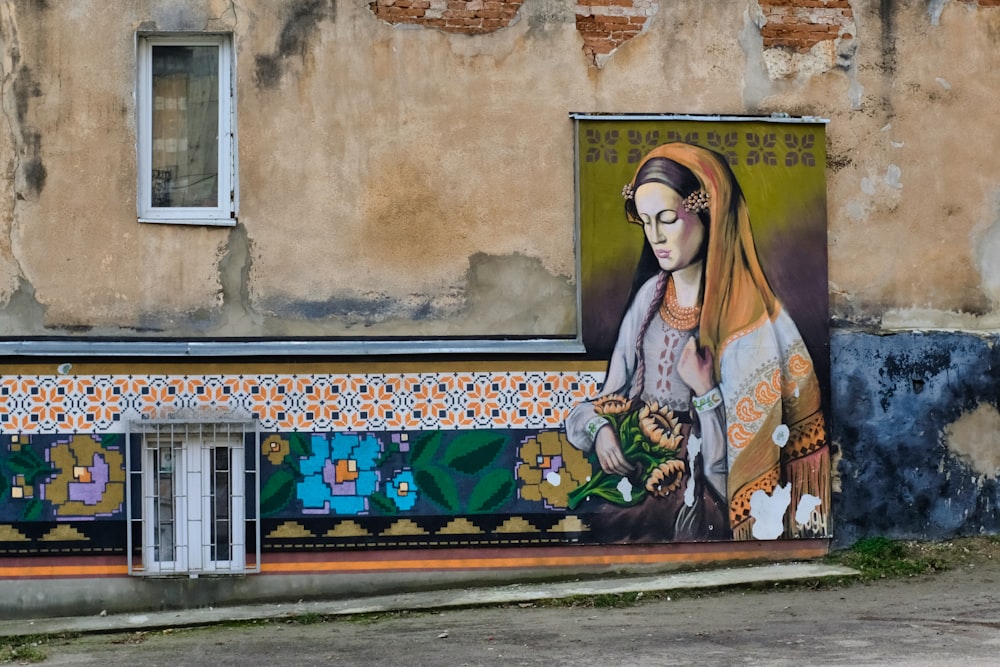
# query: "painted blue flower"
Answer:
x=340 y=474
x=402 y=489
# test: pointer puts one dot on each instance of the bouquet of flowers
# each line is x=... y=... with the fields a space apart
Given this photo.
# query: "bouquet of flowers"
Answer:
x=650 y=438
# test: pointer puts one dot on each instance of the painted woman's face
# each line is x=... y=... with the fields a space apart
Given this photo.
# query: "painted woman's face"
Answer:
x=675 y=235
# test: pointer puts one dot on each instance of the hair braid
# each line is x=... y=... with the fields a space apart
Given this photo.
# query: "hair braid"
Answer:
x=639 y=378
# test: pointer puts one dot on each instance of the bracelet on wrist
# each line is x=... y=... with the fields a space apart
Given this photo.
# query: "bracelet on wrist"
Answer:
x=707 y=401
x=595 y=425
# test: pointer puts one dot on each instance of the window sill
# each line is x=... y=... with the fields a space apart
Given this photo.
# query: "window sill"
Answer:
x=210 y=222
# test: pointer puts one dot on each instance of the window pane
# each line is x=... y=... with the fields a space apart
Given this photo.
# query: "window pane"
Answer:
x=163 y=507
x=185 y=132
x=220 y=502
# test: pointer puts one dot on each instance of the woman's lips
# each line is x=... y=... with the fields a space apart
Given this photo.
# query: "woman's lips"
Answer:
x=663 y=254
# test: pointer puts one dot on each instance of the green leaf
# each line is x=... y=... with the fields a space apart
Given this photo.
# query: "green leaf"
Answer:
x=110 y=439
x=33 y=510
x=424 y=449
x=298 y=445
x=492 y=491
x=383 y=503
x=474 y=451
x=438 y=486
x=603 y=485
x=391 y=448
x=277 y=491
x=26 y=462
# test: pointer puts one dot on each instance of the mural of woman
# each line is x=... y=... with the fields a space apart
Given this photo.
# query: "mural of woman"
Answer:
x=708 y=425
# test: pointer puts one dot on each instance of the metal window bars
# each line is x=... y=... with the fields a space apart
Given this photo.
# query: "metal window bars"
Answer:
x=193 y=490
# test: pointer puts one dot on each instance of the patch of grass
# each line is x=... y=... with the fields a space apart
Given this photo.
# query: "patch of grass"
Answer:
x=22 y=650
x=882 y=558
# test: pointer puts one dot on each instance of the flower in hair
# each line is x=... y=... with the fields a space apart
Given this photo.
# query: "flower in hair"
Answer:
x=697 y=201
x=628 y=190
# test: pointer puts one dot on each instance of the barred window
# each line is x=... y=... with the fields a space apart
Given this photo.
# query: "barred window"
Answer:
x=193 y=498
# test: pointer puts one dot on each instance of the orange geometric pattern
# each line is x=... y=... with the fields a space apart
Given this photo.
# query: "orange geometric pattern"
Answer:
x=303 y=403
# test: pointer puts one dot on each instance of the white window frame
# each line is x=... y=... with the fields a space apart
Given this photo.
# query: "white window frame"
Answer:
x=193 y=445
x=225 y=212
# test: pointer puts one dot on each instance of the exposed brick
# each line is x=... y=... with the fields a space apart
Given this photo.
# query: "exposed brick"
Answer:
x=607 y=24
x=801 y=24
x=460 y=16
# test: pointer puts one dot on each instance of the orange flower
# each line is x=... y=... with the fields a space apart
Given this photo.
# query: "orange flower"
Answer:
x=660 y=426
x=665 y=478
x=612 y=404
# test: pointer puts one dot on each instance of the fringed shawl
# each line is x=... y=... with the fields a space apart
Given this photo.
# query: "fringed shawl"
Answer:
x=771 y=390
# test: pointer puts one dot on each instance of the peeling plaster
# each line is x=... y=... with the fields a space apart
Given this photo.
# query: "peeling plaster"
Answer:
x=987 y=251
x=773 y=71
x=975 y=438
x=235 y=267
x=22 y=311
x=497 y=295
x=934 y=9
x=917 y=407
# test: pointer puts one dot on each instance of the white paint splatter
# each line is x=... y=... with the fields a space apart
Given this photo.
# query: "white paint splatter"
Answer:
x=806 y=506
x=694 y=448
x=553 y=478
x=769 y=512
x=780 y=435
x=625 y=488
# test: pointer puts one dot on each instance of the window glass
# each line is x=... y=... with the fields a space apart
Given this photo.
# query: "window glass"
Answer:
x=185 y=126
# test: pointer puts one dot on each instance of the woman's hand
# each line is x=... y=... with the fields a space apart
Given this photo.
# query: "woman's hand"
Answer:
x=695 y=367
x=609 y=453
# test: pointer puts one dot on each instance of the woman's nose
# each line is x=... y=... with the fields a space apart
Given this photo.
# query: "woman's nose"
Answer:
x=659 y=233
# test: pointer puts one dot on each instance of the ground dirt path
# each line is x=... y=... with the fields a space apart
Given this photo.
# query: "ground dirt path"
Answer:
x=948 y=618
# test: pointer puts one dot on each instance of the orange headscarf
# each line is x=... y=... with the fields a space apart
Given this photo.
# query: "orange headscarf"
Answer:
x=736 y=292
x=737 y=299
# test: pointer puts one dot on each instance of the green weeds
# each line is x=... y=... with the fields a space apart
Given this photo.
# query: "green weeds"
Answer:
x=882 y=558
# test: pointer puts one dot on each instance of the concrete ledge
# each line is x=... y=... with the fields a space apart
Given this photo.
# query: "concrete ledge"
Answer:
x=442 y=599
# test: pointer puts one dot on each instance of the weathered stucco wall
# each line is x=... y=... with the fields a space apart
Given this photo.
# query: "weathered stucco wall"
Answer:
x=919 y=433
x=406 y=168
x=390 y=152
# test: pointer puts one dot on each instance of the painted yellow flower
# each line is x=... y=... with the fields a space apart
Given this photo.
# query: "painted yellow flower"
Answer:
x=549 y=468
x=612 y=405
x=275 y=449
x=660 y=426
x=665 y=478
x=91 y=478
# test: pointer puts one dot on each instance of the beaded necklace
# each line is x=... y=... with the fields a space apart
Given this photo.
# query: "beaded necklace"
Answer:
x=681 y=318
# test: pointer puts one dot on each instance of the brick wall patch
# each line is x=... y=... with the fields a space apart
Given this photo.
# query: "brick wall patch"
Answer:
x=607 y=24
x=469 y=17
x=804 y=37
